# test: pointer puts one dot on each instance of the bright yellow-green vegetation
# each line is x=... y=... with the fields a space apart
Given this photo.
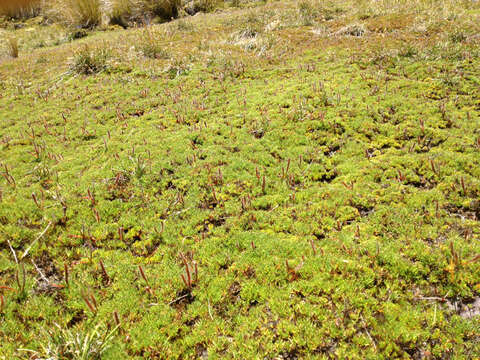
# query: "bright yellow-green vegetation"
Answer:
x=272 y=180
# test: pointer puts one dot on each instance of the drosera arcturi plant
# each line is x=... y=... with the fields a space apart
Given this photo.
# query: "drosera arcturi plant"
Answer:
x=293 y=273
x=8 y=176
x=148 y=288
x=105 y=277
x=191 y=271
x=90 y=301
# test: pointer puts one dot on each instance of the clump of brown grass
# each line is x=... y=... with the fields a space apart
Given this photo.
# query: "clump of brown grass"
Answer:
x=205 y=5
x=165 y=9
x=87 y=61
x=149 y=45
x=75 y=13
x=91 y=13
x=352 y=30
x=125 y=12
x=19 y=8
x=306 y=12
x=12 y=47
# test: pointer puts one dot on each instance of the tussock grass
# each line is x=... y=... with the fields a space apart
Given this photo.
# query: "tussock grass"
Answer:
x=307 y=12
x=357 y=30
x=125 y=12
x=150 y=45
x=88 y=61
x=75 y=13
x=205 y=5
x=19 y=8
x=75 y=344
x=91 y=13
x=12 y=47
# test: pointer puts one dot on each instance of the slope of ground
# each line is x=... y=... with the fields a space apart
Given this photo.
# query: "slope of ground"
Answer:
x=284 y=181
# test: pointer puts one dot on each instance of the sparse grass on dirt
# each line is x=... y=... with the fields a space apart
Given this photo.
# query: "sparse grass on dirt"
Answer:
x=276 y=180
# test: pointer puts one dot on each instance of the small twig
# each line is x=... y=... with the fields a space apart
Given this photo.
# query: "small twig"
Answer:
x=273 y=208
x=178 y=299
x=210 y=310
x=368 y=334
x=435 y=298
x=177 y=213
x=13 y=252
x=34 y=241
x=40 y=272
x=371 y=339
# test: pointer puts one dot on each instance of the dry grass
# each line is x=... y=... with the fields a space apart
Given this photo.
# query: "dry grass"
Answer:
x=12 y=47
x=205 y=5
x=77 y=13
x=19 y=8
x=150 y=46
x=91 y=13
x=125 y=12
x=87 y=61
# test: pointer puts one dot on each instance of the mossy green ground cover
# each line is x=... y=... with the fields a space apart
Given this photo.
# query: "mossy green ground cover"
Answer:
x=323 y=189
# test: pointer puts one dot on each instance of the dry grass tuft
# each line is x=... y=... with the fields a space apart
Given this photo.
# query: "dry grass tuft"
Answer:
x=75 y=13
x=12 y=47
x=88 y=61
x=91 y=13
x=352 y=30
x=150 y=46
x=125 y=12
x=19 y=8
